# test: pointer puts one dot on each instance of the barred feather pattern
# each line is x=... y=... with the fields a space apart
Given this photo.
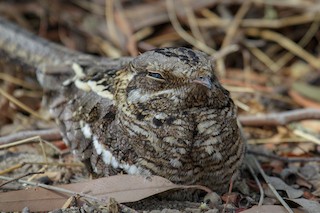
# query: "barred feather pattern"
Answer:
x=163 y=113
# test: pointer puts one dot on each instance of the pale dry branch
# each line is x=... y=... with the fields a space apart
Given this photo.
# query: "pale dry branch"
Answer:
x=47 y=134
x=281 y=118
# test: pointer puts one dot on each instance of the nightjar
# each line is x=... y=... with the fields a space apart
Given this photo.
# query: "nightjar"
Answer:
x=163 y=113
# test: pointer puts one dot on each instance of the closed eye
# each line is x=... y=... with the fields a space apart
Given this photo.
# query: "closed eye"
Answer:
x=155 y=75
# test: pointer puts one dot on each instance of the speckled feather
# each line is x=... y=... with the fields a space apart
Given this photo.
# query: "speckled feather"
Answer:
x=175 y=127
x=163 y=112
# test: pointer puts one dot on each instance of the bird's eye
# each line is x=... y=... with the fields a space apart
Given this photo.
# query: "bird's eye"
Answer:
x=155 y=75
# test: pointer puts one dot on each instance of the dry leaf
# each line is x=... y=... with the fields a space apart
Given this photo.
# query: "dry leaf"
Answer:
x=308 y=206
x=281 y=185
x=123 y=188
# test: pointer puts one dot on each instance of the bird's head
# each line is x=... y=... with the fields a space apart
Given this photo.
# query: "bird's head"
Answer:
x=171 y=79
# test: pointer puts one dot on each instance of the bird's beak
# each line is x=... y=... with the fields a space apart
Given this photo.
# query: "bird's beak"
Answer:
x=204 y=81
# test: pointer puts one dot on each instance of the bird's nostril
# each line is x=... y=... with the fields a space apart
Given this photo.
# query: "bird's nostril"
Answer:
x=204 y=80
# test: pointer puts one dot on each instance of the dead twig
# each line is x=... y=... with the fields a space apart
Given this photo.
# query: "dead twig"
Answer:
x=176 y=25
x=282 y=118
x=285 y=43
x=264 y=58
x=277 y=140
x=210 y=21
x=266 y=178
x=18 y=81
x=29 y=140
x=21 y=176
x=313 y=29
x=47 y=134
x=258 y=183
x=193 y=22
x=285 y=159
x=306 y=136
x=22 y=106
x=126 y=29
x=12 y=168
x=231 y=31
x=225 y=51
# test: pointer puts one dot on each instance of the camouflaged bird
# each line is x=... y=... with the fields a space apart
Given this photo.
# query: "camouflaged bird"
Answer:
x=162 y=113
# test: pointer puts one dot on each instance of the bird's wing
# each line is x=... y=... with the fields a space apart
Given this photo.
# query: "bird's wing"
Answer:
x=81 y=101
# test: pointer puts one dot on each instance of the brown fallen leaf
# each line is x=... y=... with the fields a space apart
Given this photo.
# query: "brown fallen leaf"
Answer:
x=309 y=206
x=123 y=188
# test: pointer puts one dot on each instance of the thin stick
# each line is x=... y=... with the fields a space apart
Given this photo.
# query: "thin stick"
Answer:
x=17 y=81
x=124 y=26
x=282 y=118
x=22 y=176
x=213 y=21
x=12 y=168
x=55 y=164
x=264 y=58
x=284 y=159
x=306 y=136
x=287 y=44
x=266 y=178
x=41 y=170
x=22 y=106
x=193 y=22
x=313 y=29
x=109 y=16
x=46 y=134
x=225 y=51
x=28 y=140
x=258 y=183
x=277 y=140
x=176 y=25
x=231 y=32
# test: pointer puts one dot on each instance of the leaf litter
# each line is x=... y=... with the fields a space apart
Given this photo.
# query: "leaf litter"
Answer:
x=268 y=59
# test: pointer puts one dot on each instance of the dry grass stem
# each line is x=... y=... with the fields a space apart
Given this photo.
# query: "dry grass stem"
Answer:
x=193 y=22
x=124 y=26
x=282 y=61
x=17 y=178
x=17 y=81
x=225 y=51
x=22 y=106
x=266 y=178
x=56 y=164
x=212 y=21
x=176 y=25
x=286 y=43
x=47 y=134
x=231 y=31
x=12 y=168
x=264 y=58
x=307 y=136
x=258 y=184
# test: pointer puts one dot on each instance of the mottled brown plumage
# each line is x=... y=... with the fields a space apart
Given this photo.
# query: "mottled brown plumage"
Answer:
x=164 y=113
